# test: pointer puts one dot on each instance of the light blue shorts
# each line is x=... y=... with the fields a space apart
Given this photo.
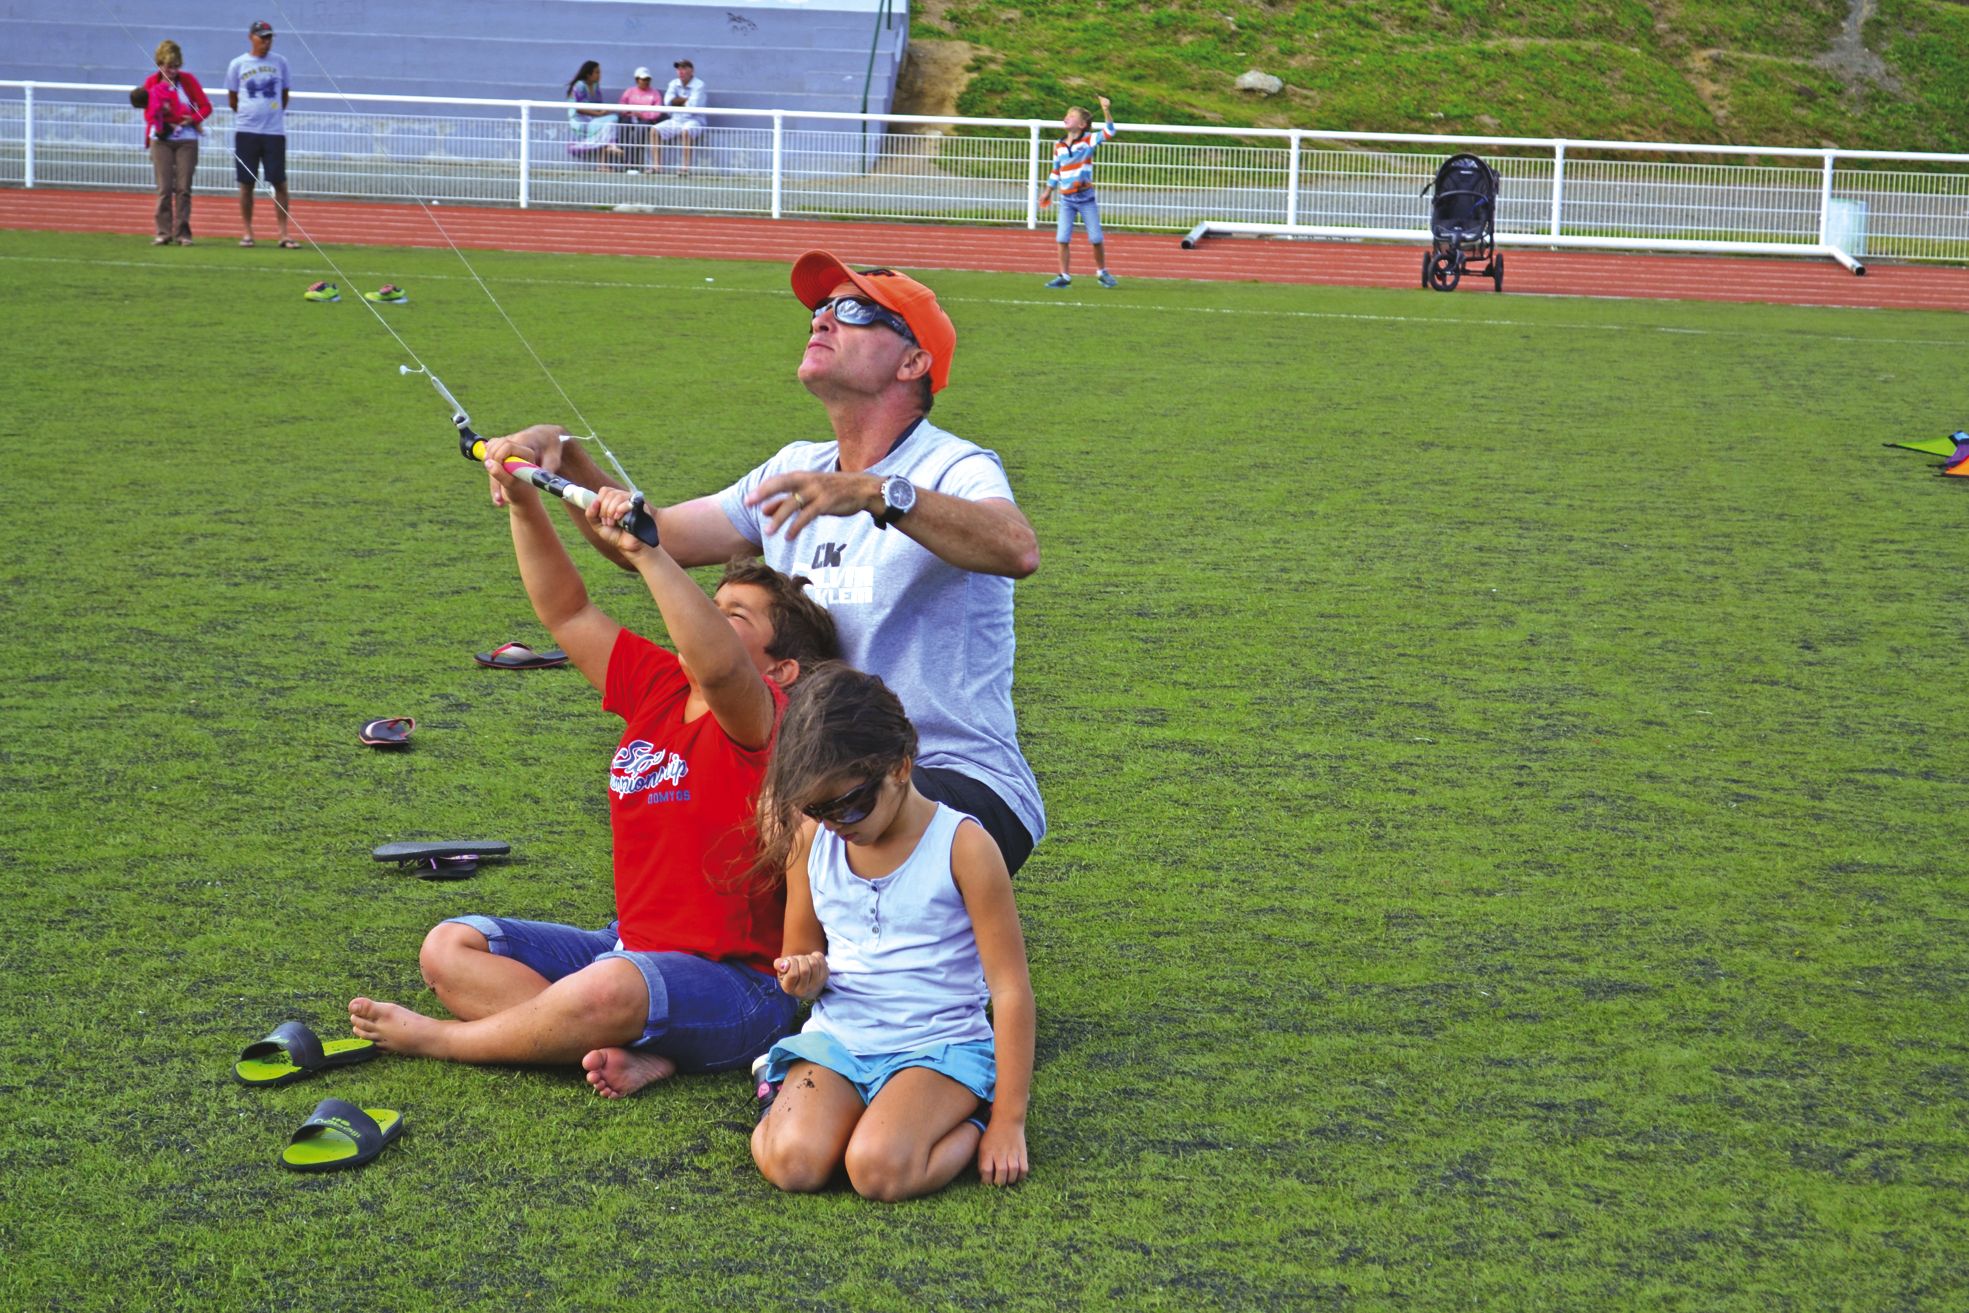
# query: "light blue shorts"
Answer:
x=973 y=1065
x=1087 y=211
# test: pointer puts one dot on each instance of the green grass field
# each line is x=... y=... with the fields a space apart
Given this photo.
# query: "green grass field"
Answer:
x=1504 y=758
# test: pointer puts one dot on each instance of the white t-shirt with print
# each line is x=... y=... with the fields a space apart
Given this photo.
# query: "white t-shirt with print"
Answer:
x=938 y=635
x=260 y=81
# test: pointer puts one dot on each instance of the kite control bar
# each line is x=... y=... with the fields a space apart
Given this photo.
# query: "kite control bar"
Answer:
x=639 y=522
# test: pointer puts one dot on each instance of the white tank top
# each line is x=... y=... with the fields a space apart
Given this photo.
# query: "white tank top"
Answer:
x=902 y=960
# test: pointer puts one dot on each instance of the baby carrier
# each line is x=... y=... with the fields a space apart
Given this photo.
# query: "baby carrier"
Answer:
x=1462 y=225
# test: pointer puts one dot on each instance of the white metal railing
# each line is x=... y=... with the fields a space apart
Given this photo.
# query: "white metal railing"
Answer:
x=1296 y=181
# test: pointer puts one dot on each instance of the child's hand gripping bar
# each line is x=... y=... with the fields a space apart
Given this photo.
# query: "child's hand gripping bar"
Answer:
x=638 y=522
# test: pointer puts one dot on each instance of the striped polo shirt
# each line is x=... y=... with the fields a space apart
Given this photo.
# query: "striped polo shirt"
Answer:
x=1073 y=161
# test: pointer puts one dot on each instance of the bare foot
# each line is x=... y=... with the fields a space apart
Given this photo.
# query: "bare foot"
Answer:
x=395 y=1028
x=618 y=1073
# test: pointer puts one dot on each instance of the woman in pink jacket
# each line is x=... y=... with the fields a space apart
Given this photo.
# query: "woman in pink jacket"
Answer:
x=175 y=109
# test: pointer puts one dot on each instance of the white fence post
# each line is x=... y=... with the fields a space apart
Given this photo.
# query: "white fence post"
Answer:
x=1558 y=184
x=779 y=157
x=1292 y=180
x=1032 y=176
x=1825 y=200
x=526 y=154
x=27 y=124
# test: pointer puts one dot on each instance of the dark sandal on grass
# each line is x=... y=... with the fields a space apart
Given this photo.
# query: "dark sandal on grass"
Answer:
x=338 y=1135
x=441 y=859
x=518 y=656
x=293 y=1052
x=391 y=733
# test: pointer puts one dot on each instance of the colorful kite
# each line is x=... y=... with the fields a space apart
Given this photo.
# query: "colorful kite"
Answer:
x=1954 y=451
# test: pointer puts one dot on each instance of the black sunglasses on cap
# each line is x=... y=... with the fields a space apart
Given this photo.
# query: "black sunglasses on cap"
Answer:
x=850 y=807
x=860 y=312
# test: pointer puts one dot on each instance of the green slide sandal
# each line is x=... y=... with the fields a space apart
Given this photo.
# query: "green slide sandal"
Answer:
x=339 y=1135
x=293 y=1052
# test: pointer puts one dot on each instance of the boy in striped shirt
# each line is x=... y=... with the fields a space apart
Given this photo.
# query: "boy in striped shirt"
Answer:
x=1073 y=178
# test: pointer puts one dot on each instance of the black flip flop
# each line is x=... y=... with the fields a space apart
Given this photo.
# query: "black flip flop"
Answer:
x=338 y=1135
x=293 y=1052
x=441 y=860
x=518 y=656
x=391 y=733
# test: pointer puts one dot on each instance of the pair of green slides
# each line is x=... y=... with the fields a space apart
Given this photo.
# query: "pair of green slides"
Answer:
x=337 y=1135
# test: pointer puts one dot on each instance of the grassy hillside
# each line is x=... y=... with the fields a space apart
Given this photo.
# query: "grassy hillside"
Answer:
x=1745 y=71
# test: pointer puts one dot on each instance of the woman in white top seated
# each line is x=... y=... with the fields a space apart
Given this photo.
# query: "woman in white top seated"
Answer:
x=591 y=131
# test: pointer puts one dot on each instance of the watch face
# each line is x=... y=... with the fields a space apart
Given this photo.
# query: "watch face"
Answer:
x=899 y=493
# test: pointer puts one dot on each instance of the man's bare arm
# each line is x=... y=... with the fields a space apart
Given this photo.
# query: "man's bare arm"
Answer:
x=989 y=536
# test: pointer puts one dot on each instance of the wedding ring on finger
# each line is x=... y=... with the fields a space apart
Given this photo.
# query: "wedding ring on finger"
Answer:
x=799 y=502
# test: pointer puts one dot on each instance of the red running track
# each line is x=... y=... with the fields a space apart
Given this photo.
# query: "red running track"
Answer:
x=926 y=246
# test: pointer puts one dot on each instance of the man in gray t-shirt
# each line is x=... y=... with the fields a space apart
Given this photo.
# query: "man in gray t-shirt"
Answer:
x=258 y=84
x=909 y=534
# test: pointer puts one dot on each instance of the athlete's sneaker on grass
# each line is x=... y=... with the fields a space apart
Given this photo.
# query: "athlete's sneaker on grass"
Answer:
x=1060 y=280
x=1107 y=279
x=387 y=294
x=322 y=292
x=764 y=1091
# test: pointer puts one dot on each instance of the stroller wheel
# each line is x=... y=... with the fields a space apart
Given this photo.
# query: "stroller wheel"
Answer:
x=1445 y=271
x=1497 y=273
x=1428 y=259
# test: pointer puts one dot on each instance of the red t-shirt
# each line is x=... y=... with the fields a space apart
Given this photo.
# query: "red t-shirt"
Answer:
x=682 y=799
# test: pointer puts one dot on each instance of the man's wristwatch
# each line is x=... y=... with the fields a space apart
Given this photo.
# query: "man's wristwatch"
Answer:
x=898 y=495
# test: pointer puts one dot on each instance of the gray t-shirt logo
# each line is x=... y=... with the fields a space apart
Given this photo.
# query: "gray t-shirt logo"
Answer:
x=833 y=584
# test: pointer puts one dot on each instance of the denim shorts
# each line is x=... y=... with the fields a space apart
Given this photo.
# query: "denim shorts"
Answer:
x=973 y=1065
x=703 y=1015
x=1087 y=211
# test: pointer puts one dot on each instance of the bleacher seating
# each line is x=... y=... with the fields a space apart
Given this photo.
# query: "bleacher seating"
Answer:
x=794 y=55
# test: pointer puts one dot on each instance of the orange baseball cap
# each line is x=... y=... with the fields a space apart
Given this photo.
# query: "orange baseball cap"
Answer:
x=817 y=273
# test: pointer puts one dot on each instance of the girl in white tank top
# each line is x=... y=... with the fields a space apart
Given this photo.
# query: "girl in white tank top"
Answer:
x=900 y=927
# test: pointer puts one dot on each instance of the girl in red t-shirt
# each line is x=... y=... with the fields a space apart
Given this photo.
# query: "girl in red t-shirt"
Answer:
x=683 y=978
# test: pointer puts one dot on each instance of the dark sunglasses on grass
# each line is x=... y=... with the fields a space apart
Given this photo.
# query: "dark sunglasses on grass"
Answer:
x=860 y=312
x=850 y=807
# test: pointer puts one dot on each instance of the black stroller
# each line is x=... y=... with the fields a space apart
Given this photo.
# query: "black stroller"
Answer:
x=1462 y=225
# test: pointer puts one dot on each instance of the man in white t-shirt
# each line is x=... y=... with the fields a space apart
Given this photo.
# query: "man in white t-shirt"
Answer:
x=685 y=92
x=908 y=533
x=258 y=84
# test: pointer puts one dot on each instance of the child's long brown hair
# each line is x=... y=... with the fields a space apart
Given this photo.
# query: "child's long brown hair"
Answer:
x=838 y=721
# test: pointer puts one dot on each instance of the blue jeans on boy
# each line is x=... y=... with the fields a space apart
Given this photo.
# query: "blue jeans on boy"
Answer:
x=1084 y=208
x=703 y=1015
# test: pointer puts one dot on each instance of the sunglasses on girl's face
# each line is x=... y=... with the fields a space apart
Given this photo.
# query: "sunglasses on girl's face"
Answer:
x=860 y=312
x=850 y=807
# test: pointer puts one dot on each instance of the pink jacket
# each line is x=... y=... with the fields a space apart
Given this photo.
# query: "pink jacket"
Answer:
x=155 y=123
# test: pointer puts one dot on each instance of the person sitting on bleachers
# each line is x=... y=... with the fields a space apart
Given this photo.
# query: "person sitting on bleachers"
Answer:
x=591 y=132
x=686 y=91
x=636 y=123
